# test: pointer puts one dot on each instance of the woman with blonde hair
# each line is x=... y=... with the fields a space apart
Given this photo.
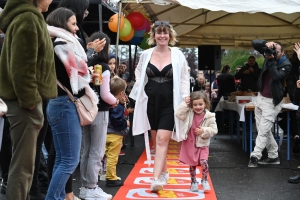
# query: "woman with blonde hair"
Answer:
x=162 y=83
x=200 y=83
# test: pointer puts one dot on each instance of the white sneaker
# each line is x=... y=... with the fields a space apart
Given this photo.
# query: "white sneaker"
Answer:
x=82 y=192
x=164 y=177
x=156 y=185
x=97 y=194
x=205 y=185
x=194 y=187
x=102 y=177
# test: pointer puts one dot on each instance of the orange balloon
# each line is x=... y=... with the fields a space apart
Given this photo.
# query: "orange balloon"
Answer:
x=113 y=23
x=128 y=37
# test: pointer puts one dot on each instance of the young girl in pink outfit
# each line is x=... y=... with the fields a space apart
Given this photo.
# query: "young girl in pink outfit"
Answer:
x=200 y=125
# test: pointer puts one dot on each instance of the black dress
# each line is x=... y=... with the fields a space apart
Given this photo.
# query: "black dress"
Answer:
x=159 y=90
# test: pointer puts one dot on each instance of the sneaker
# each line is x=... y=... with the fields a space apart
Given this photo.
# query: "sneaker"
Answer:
x=76 y=198
x=97 y=194
x=82 y=192
x=114 y=183
x=102 y=177
x=295 y=179
x=253 y=162
x=205 y=185
x=194 y=187
x=269 y=161
x=156 y=185
x=122 y=153
x=164 y=177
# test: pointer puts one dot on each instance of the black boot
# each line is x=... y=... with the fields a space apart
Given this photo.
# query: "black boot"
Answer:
x=295 y=179
x=35 y=194
x=114 y=183
x=3 y=187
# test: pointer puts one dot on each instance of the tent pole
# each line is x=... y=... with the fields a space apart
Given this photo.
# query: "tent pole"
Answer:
x=100 y=17
x=118 y=32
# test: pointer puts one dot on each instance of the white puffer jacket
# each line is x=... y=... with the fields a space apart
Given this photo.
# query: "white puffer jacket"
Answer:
x=209 y=125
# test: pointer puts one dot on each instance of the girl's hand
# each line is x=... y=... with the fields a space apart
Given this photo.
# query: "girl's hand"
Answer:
x=199 y=131
x=187 y=100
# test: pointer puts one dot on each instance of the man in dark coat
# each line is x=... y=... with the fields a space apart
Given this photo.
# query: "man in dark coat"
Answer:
x=249 y=74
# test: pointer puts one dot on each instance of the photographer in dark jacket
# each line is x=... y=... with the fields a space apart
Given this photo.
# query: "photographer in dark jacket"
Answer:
x=248 y=74
x=270 y=83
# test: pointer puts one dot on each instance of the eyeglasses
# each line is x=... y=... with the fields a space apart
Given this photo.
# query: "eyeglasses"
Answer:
x=86 y=13
x=161 y=23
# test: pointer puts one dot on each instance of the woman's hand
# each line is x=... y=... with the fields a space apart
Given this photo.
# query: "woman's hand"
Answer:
x=187 y=100
x=97 y=45
x=297 y=50
x=298 y=84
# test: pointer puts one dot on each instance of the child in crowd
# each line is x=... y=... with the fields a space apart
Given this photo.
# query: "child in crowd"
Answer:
x=117 y=129
x=112 y=64
x=94 y=135
x=200 y=126
x=212 y=95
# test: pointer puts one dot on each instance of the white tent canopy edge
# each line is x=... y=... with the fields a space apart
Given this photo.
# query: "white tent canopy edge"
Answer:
x=250 y=6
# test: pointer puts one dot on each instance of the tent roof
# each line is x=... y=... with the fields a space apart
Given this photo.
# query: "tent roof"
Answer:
x=229 y=23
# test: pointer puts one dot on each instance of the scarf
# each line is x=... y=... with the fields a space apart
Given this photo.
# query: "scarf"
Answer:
x=74 y=58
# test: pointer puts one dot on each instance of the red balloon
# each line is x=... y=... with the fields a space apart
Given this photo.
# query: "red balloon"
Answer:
x=136 y=19
x=141 y=27
x=148 y=25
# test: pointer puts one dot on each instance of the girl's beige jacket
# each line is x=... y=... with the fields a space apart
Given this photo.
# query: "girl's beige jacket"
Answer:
x=209 y=125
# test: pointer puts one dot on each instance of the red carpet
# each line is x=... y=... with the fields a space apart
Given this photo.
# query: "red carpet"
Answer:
x=137 y=184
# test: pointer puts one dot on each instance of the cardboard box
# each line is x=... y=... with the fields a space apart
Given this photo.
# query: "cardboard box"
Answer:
x=242 y=99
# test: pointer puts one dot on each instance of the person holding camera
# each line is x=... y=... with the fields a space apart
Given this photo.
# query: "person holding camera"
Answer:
x=248 y=75
x=271 y=89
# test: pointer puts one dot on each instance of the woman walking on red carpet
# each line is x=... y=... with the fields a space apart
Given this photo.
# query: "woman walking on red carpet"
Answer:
x=162 y=83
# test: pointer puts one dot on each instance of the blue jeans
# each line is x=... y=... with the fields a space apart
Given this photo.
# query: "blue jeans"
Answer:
x=66 y=131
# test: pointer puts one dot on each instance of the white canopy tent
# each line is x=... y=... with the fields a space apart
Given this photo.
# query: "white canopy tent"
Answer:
x=229 y=23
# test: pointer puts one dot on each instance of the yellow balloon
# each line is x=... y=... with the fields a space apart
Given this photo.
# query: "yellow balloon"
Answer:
x=113 y=23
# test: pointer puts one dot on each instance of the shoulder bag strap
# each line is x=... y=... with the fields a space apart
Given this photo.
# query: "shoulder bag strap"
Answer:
x=66 y=90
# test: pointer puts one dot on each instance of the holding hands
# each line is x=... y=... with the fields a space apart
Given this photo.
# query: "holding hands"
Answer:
x=187 y=100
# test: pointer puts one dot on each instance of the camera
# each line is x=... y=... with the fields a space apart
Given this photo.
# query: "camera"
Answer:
x=271 y=51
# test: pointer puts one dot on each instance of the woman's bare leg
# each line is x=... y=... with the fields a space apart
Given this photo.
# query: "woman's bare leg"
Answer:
x=161 y=148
